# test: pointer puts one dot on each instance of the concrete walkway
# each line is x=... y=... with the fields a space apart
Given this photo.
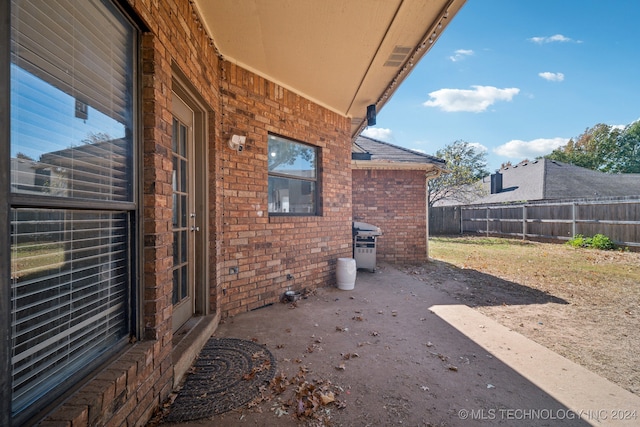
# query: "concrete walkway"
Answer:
x=398 y=352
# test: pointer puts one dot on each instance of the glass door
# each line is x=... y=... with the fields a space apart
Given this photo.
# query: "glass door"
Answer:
x=184 y=215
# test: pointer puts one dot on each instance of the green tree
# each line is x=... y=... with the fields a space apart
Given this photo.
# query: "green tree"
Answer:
x=627 y=150
x=466 y=165
x=603 y=148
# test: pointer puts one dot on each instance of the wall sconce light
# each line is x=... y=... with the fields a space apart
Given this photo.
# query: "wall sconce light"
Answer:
x=371 y=115
x=236 y=142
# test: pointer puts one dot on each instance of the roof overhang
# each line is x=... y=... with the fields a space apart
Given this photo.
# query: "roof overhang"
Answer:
x=343 y=55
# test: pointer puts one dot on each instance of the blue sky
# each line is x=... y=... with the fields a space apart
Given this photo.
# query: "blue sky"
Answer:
x=520 y=78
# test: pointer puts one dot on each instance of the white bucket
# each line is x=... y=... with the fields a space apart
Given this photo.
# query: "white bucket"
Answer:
x=346 y=273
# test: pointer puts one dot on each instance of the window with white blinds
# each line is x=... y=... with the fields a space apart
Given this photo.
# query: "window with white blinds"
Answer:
x=71 y=100
x=72 y=140
x=69 y=272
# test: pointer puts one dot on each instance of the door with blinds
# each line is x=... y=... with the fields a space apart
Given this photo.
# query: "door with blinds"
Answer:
x=184 y=216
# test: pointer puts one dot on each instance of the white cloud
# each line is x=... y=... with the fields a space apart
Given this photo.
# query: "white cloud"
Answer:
x=460 y=54
x=551 y=39
x=479 y=147
x=518 y=149
x=552 y=77
x=381 y=134
x=476 y=100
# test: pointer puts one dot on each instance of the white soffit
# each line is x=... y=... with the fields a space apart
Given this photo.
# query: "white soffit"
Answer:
x=342 y=54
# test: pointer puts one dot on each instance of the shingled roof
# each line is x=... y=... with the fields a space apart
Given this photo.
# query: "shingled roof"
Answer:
x=546 y=179
x=365 y=149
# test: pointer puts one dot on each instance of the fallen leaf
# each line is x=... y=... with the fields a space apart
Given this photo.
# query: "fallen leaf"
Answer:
x=327 y=398
x=341 y=367
x=374 y=333
x=490 y=386
x=347 y=356
x=453 y=368
x=280 y=411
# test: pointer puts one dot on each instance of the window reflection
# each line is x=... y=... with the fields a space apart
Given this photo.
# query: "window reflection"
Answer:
x=292 y=177
x=63 y=147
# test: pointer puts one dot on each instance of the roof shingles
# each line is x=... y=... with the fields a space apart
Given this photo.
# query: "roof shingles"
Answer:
x=383 y=151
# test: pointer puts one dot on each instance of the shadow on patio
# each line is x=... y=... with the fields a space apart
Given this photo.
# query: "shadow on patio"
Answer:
x=475 y=288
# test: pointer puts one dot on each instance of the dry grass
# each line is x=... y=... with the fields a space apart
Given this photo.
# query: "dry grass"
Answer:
x=582 y=303
x=568 y=272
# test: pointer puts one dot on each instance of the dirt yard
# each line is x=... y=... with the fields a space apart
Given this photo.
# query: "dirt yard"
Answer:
x=584 y=304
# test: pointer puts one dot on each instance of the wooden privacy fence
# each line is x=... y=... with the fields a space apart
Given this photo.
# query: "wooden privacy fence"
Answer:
x=618 y=219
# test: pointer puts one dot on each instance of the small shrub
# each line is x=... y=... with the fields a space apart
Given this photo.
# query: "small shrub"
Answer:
x=578 y=241
x=599 y=241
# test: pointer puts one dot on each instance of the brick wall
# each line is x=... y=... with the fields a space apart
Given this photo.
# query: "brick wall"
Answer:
x=395 y=201
x=272 y=254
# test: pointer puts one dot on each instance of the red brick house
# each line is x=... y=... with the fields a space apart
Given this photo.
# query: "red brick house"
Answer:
x=168 y=163
x=389 y=190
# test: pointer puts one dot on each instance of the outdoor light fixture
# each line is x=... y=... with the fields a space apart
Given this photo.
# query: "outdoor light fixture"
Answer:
x=371 y=115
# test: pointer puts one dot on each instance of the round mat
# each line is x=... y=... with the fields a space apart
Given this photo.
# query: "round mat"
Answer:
x=226 y=375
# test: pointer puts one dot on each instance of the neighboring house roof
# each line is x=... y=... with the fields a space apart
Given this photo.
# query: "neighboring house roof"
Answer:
x=368 y=153
x=546 y=179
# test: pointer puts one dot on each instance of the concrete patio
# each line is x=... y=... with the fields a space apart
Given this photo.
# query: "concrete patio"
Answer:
x=398 y=352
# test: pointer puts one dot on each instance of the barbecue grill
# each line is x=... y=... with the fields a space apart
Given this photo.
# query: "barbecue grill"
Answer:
x=364 y=244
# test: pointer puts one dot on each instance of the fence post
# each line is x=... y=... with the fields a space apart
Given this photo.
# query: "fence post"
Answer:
x=573 y=219
x=524 y=222
x=487 y=226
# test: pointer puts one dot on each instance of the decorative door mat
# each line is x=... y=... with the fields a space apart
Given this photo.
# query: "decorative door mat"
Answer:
x=226 y=375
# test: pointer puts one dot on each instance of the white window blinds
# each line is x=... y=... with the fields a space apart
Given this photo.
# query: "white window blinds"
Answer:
x=76 y=46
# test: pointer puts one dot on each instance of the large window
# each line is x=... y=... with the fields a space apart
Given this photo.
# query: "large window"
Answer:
x=72 y=192
x=292 y=177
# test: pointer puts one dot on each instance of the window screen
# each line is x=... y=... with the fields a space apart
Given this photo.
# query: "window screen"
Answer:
x=72 y=110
